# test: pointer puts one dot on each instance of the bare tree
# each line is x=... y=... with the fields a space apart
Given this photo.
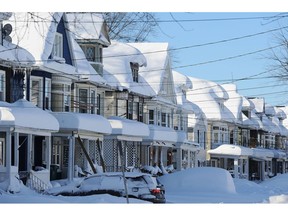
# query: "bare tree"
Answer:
x=279 y=56
x=131 y=26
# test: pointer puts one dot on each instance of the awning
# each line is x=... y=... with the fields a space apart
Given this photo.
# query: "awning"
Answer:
x=69 y=121
x=233 y=150
x=126 y=128
x=162 y=135
x=23 y=115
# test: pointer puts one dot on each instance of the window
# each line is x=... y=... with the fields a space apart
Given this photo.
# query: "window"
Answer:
x=151 y=117
x=93 y=52
x=83 y=100
x=135 y=71
x=163 y=119
x=93 y=101
x=2 y=85
x=58 y=45
x=61 y=97
x=98 y=104
x=36 y=91
x=141 y=107
x=47 y=94
x=130 y=107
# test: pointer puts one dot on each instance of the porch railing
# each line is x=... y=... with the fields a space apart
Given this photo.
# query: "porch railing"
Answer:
x=36 y=183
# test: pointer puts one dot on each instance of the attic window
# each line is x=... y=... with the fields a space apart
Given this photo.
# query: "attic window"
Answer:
x=58 y=45
x=135 y=71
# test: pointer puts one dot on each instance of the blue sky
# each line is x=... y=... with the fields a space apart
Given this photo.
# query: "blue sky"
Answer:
x=199 y=28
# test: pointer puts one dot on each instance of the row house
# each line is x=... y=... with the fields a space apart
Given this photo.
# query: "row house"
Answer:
x=125 y=106
x=165 y=121
x=58 y=83
x=26 y=129
x=190 y=146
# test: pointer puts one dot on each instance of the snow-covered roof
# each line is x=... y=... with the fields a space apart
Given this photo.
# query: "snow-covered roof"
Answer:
x=234 y=150
x=182 y=83
x=210 y=97
x=70 y=121
x=117 y=70
x=258 y=103
x=162 y=134
x=23 y=115
x=88 y=26
x=270 y=126
x=35 y=32
x=157 y=58
x=127 y=127
x=246 y=122
x=235 y=101
x=84 y=69
x=13 y=55
x=247 y=104
x=285 y=110
x=257 y=123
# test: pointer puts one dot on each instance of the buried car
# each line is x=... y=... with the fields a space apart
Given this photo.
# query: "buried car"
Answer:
x=135 y=185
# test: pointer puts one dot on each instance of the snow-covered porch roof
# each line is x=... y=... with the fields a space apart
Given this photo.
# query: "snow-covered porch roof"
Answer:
x=231 y=150
x=262 y=154
x=184 y=143
x=162 y=136
x=26 y=117
x=82 y=122
x=126 y=129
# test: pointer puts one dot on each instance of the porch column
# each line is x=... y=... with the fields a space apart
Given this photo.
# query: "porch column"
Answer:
x=262 y=172
x=155 y=161
x=16 y=151
x=241 y=166
x=29 y=152
x=236 y=174
x=8 y=157
x=225 y=160
x=70 y=172
x=246 y=168
x=48 y=152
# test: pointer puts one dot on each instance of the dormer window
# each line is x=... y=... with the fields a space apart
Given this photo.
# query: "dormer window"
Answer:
x=135 y=71
x=93 y=53
x=58 y=45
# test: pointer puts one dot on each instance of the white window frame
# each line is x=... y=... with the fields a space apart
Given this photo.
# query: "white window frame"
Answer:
x=89 y=101
x=2 y=86
x=48 y=93
x=58 y=45
x=39 y=96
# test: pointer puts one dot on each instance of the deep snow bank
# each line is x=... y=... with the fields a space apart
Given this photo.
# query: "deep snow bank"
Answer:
x=199 y=180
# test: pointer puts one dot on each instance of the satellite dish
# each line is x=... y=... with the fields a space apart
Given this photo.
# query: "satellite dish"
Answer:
x=8 y=38
x=7 y=29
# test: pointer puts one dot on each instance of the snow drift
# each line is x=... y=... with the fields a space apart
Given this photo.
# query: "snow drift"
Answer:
x=199 y=180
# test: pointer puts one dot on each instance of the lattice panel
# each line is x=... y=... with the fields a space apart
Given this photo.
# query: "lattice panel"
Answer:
x=79 y=155
x=110 y=154
x=131 y=154
x=93 y=151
